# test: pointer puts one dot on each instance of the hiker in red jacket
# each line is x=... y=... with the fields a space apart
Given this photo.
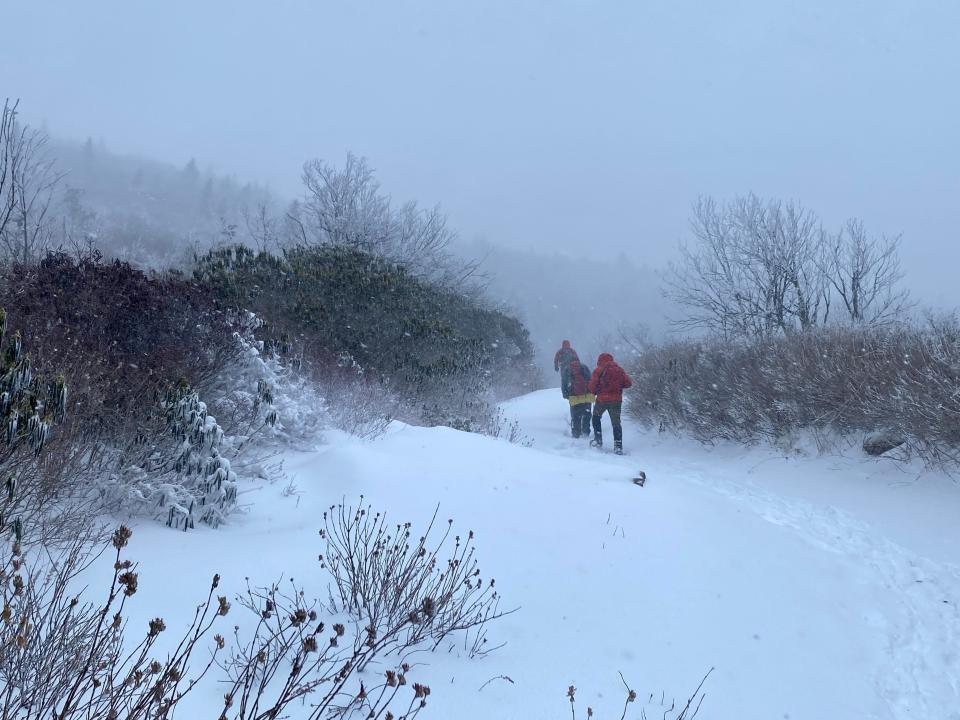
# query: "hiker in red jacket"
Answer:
x=608 y=383
x=561 y=363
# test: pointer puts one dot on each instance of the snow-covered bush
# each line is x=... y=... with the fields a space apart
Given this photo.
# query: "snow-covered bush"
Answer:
x=388 y=580
x=838 y=381
x=177 y=470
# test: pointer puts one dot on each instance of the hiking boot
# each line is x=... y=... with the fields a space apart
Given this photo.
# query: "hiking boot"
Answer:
x=597 y=441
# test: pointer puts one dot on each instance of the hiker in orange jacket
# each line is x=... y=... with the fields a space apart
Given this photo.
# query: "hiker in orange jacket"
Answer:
x=608 y=383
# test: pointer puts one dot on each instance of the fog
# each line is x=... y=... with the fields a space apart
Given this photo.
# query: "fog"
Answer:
x=582 y=127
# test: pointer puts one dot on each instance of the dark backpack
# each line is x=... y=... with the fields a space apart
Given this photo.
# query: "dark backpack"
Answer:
x=579 y=381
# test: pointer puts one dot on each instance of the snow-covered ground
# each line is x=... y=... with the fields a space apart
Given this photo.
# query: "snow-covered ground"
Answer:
x=818 y=587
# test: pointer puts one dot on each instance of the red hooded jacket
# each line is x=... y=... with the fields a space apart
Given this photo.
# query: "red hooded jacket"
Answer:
x=609 y=380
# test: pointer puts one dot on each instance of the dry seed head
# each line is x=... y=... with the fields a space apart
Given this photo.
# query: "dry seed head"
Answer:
x=128 y=580
x=428 y=607
x=121 y=537
x=223 y=606
x=157 y=626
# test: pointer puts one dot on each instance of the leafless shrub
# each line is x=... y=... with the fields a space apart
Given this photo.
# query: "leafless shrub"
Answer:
x=833 y=381
x=499 y=426
x=67 y=659
x=405 y=590
x=293 y=657
x=653 y=707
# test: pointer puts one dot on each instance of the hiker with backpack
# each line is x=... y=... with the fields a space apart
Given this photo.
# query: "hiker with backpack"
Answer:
x=578 y=394
x=608 y=383
x=561 y=363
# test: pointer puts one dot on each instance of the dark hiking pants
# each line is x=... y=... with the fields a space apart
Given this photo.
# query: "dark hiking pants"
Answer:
x=613 y=408
x=580 y=419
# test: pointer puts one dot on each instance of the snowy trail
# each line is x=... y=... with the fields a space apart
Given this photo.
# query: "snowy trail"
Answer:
x=778 y=574
x=920 y=675
x=923 y=636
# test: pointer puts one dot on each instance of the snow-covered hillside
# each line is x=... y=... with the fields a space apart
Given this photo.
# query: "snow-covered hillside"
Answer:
x=817 y=587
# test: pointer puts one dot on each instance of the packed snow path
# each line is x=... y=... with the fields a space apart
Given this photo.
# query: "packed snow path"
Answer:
x=817 y=587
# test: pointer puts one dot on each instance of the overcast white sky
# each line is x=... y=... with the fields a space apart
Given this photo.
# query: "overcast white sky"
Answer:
x=586 y=126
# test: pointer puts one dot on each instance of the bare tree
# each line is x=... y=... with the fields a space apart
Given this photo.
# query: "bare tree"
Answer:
x=28 y=182
x=864 y=272
x=345 y=206
x=264 y=228
x=753 y=269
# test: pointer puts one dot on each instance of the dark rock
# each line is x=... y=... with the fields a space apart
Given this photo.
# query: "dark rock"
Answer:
x=881 y=441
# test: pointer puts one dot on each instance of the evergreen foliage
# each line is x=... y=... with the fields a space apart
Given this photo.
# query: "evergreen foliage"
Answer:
x=29 y=407
x=444 y=354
